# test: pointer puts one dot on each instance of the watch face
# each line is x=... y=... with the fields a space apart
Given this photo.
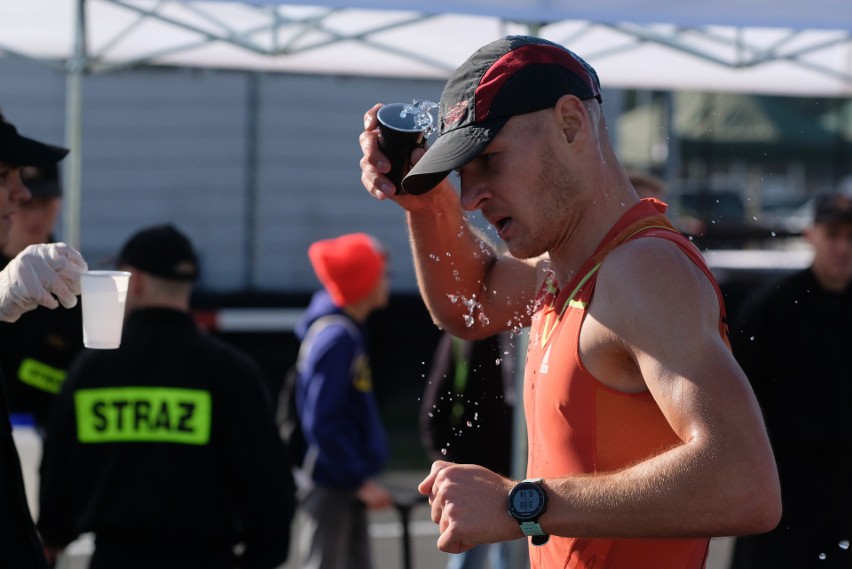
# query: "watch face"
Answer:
x=526 y=501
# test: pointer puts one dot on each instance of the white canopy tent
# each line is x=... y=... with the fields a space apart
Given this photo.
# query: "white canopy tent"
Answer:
x=756 y=46
x=741 y=45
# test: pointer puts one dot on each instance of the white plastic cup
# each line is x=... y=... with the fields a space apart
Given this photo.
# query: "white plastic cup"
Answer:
x=104 y=294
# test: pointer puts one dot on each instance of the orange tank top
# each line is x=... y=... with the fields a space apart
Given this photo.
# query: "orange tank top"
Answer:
x=576 y=425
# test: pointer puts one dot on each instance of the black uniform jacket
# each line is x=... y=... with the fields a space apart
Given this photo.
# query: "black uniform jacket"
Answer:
x=166 y=449
x=19 y=545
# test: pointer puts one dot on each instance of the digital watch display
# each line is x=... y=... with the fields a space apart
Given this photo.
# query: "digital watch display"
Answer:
x=527 y=502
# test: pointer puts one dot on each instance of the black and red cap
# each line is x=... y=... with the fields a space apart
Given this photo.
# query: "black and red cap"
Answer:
x=512 y=76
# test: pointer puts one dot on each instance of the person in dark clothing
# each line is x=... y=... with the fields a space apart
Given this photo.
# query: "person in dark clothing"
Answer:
x=46 y=275
x=793 y=340
x=347 y=444
x=466 y=410
x=39 y=347
x=466 y=417
x=166 y=448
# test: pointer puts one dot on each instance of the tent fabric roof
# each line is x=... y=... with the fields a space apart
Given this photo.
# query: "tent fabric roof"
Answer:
x=727 y=45
x=824 y=14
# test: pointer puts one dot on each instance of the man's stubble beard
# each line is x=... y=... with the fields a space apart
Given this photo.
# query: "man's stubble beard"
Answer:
x=553 y=196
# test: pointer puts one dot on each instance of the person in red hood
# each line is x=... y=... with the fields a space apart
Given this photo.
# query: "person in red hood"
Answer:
x=347 y=446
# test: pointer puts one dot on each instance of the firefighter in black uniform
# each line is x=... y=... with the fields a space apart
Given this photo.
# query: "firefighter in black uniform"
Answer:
x=45 y=274
x=166 y=448
x=38 y=348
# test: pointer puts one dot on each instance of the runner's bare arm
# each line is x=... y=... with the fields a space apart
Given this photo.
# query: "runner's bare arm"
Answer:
x=469 y=289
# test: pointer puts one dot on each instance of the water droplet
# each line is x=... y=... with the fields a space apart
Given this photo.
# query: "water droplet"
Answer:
x=822 y=556
x=844 y=544
x=444 y=451
x=422 y=119
x=469 y=424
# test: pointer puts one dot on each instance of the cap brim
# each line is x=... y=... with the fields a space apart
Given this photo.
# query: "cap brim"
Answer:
x=22 y=151
x=29 y=152
x=451 y=150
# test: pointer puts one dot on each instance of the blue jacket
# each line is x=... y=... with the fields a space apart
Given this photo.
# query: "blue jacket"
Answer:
x=336 y=402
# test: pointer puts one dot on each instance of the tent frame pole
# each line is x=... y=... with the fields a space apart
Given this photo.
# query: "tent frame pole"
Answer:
x=76 y=69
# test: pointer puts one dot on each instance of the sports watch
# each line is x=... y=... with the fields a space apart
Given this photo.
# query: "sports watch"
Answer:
x=527 y=502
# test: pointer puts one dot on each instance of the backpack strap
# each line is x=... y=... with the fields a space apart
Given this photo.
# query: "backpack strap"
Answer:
x=317 y=326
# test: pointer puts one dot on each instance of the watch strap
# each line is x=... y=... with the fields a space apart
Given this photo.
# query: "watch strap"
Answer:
x=531 y=528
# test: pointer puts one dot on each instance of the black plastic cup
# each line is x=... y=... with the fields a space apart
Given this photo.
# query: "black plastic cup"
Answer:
x=399 y=135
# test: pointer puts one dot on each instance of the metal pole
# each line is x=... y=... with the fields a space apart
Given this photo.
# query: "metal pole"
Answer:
x=76 y=67
x=252 y=187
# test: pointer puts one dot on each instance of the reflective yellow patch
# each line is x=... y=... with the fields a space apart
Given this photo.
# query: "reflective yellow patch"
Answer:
x=363 y=380
x=143 y=414
x=41 y=376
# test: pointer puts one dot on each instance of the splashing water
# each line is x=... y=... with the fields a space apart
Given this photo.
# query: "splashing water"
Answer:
x=422 y=119
x=472 y=306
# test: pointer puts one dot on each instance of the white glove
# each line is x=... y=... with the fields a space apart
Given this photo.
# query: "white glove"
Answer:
x=37 y=274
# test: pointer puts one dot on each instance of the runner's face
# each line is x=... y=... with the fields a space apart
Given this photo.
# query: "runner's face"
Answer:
x=521 y=184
